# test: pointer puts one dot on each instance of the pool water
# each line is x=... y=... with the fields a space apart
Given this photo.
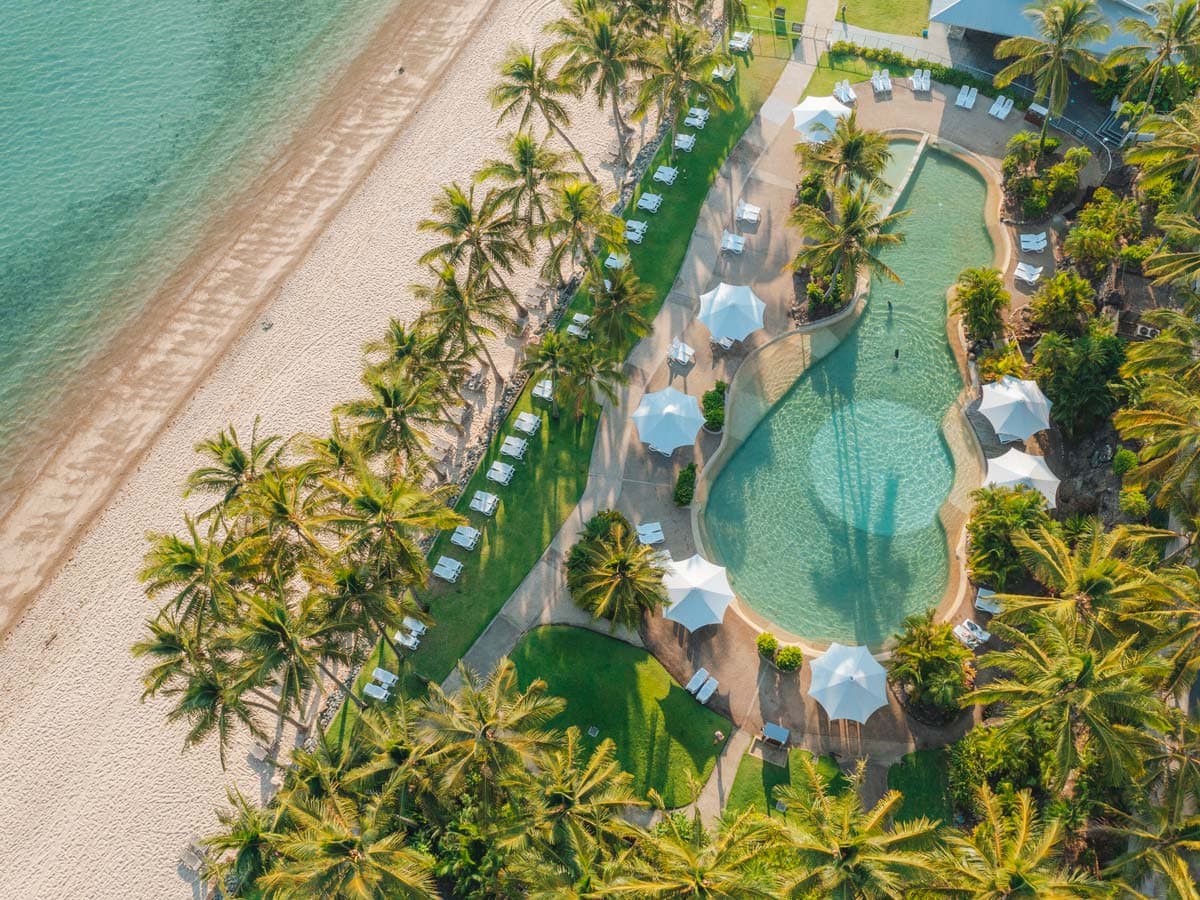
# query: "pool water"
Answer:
x=827 y=515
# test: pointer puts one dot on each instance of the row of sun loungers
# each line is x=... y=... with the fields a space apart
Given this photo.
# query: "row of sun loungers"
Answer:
x=881 y=81
x=1001 y=107
x=741 y=40
x=966 y=97
x=702 y=686
x=1033 y=243
x=843 y=92
x=697 y=117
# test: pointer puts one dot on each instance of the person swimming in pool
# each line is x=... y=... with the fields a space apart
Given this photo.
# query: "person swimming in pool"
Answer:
x=897 y=356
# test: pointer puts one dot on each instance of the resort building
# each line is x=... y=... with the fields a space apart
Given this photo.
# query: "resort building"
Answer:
x=1007 y=18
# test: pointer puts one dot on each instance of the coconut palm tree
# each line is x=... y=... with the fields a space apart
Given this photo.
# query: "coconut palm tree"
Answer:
x=1096 y=703
x=213 y=700
x=592 y=376
x=618 y=320
x=335 y=453
x=549 y=358
x=383 y=519
x=233 y=466
x=465 y=311
x=980 y=298
x=1171 y=616
x=366 y=596
x=600 y=52
x=528 y=86
x=1066 y=28
x=394 y=754
x=1170 y=35
x=287 y=506
x=417 y=349
x=393 y=418
x=343 y=849
x=677 y=70
x=579 y=221
x=850 y=157
x=683 y=860
x=1176 y=266
x=174 y=650
x=1172 y=157
x=529 y=171
x=841 y=849
x=1167 y=423
x=485 y=236
x=845 y=241
x=617 y=578
x=242 y=849
x=1010 y=853
x=1161 y=836
x=485 y=728
x=930 y=662
x=1172 y=352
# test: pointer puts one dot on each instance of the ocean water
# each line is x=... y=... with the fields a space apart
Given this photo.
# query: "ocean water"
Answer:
x=828 y=515
x=125 y=125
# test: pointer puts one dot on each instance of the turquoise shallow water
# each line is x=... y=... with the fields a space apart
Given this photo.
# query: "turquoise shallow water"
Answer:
x=827 y=516
x=124 y=124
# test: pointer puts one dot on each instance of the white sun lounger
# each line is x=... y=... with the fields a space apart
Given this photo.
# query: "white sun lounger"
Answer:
x=1005 y=109
x=616 y=261
x=633 y=237
x=976 y=631
x=465 y=536
x=527 y=423
x=915 y=82
x=698 y=679
x=724 y=73
x=961 y=99
x=650 y=202
x=637 y=226
x=843 y=92
x=190 y=859
x=748 y=212
x=582 y=319
x=985 y=601
x=741 y=40
x=685 y=142
x=501 y=473
x=699 y=112
x=693 y=122
x=1028 y=273
x=375 y=692
x=666 y=174
x=415 y=626
x=485 y=503
x=577 y=331
x=725 y=343
x=409 y=641
x=448 y=569
x=877 y=81
x=707 y=690
x=972 y=95
x=384 y=677
x=732 y=243
x=1033 y=243
x=681 y=353
x=514 y=446
x=651 y=533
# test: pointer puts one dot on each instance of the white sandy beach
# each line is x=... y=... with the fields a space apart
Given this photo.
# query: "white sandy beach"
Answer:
x=98 y=799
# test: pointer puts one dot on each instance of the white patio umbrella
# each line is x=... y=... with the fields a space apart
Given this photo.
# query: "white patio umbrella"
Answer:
x=848 y=682
x=1015 y=407
x=668 y=419
x=816 y=117
x=699 y=592
x=731 y=311
x=1015 y=467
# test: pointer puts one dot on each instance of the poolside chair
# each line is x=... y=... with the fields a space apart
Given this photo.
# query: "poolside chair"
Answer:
x=732 y=243
x=651 y=533
x=666 y=174
x=698 y=679
x=741 y=40
x=985 y=601
x=698 y=112
x=748 y=212
x=885 y=79
x=660 y=451
x=724 y=73
x=636 y=225
x=384 y=677
x=707 y=690
x=972 y=94
x=650 y=202
x=685 y=142
x=485 y=503
x=725 y=343
x=1027 y=273
x=577 y=331
x=1033 y=243
x=407 y=640
x=961 y=100
x=501 y=473
x=514 y=447
x=914 y=81
x=616 y=261
x=680 y=353
x=877 y=81
x=927 y=81
x=448 y=569
x=375 y=692
x=465 y=536
x=839 y=92
x=1005 y=109
x=415 y=626
x=692 y=122
x=544 y=390
x=633 y=237
x=527 y=423
x=582 y=319
x=190 y=859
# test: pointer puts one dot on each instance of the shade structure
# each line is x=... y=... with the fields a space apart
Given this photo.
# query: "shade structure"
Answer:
x=848 y=682
x=1016 y=408
x=668 y=419
x=816 y=117
x=1015 y=467
x=698 y=591
x=731 y=311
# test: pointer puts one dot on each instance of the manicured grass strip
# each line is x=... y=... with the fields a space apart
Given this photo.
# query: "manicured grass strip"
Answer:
x=922 y=777
x=831 y=70
x=891 y=16
x=662 y=734
x=793 y=10
x=755 y=782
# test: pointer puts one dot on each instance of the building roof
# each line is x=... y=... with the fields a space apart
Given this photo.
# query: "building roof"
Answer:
x=1007 y=17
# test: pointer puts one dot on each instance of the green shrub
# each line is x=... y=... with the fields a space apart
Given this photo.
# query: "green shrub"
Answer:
x=1134 y=504
x=998 y=513
x=1123 y=460
x=811 y=190
x=931 y=666
x=1022 y=147
x=1117 y=216
x=980 y=298
x=1091 y=249
x=598 y=527
x=1035 y=204
x=1063 y=303
x=789 y=659
x=1134 y=256
x=685 y=485
x=1062 y=181
x=713 y=406
x=767 y=644
x=996 y=363
x=1006 y=762
x=815 y=292
x=1080 y=375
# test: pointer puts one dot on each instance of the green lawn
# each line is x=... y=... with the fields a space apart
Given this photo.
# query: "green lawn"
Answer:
x=891 y=16
x=832 y=69
x=662 y=734
x=921 y=777
x=755 y=781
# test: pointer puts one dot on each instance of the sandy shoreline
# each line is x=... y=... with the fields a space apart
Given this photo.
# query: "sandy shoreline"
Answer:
x=99 y=799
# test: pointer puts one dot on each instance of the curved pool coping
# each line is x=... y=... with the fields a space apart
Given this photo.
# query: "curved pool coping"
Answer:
x=960 y=437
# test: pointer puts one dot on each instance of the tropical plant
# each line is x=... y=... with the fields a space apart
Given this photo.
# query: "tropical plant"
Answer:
x=999 y=513
x=465 y=310
x=1169 y=34
x=846 y=240
x=549 y=358
x=1065 y=29
x=1170 y=353
x=930 y=665
x=1172 y=158
x=618 y=317
x=615 y=577
x=852 y=156
x=1063 y=303
x=685 y=485
x=1178 y=261
x=1007 y=359
x=766 y=644
x=980 y=298
x=530 y=169
x=1167 y=423
x=592 y=375
x=393 y=417
x=1080 y=375
x=579 y=221
x=232 y=465
x=789 y=659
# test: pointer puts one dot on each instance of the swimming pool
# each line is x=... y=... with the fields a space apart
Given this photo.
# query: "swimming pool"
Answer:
x=827 y=516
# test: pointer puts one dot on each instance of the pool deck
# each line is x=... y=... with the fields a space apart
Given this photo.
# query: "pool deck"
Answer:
x=626 y=476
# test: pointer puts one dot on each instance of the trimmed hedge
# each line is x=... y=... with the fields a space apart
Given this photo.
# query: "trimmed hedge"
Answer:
x=713 y=406
x=685 y=485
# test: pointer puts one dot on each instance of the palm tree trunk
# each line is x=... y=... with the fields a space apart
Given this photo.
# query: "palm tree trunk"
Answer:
x=579 y=156
x=622 y=151
x=522 y=312
x=345 y=687
x=491 y=362
x=387 y=639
